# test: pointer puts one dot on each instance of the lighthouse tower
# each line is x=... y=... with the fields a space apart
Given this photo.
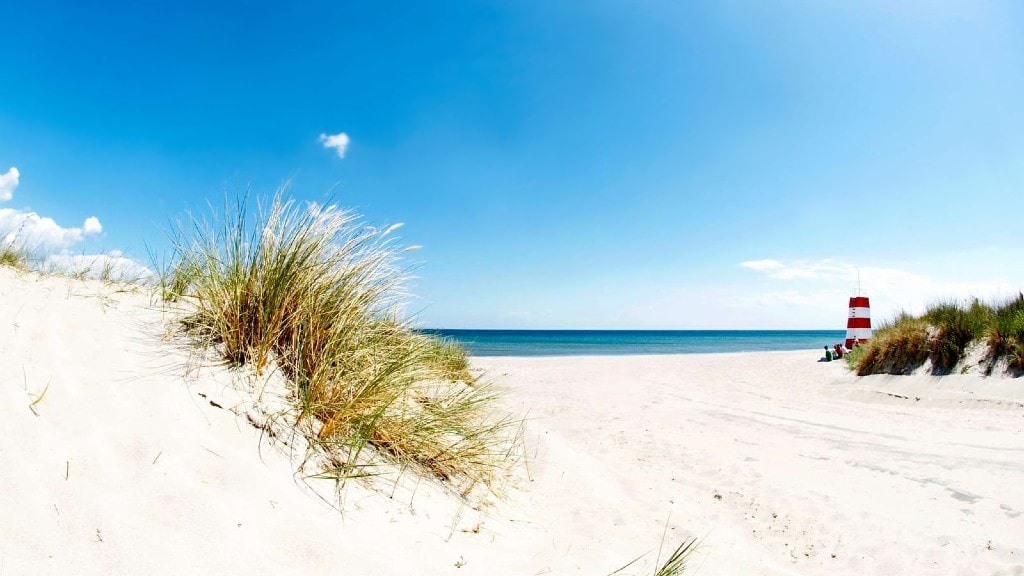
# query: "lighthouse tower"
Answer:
x=858 y=325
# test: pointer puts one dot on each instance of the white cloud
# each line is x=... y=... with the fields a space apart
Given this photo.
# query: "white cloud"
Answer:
x=92 y=225
x=8 y=182
x=112 y=266
x=339 y=142
x=31 y=231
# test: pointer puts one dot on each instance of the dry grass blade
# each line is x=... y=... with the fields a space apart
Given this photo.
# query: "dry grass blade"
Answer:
x=38 y=399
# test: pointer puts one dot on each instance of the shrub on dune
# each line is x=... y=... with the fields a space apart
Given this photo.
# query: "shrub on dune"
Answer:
x=316 y=292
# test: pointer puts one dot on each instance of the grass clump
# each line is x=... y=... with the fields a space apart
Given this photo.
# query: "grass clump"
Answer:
x=13 y=258
x=854 y=356
x=955 y=328
x=942 y=335
x=319 y=294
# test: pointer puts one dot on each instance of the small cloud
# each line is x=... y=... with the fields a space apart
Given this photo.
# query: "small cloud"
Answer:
x=92 y=226
x=337 y=141
x=8 y=182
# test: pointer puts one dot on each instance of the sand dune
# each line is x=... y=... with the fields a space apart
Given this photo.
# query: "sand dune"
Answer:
x=135 y=461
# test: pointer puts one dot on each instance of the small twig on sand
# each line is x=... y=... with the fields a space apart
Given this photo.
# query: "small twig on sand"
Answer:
x=157 y=456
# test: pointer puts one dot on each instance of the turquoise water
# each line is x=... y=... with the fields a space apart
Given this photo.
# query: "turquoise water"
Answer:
x=604 y=342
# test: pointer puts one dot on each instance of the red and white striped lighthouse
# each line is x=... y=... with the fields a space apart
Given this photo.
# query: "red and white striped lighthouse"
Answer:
x=858 y=325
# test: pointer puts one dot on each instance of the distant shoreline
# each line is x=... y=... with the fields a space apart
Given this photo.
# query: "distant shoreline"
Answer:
x=534 y=343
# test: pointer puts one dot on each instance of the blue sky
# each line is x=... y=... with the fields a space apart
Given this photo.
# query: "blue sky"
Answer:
x=594 y=164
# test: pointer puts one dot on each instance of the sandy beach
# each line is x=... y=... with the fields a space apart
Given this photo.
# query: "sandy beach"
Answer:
x=119 y=455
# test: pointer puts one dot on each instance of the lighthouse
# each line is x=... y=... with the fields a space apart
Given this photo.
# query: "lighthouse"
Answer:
x=858 y=325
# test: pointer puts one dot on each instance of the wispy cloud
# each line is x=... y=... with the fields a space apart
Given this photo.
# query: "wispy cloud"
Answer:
x=811 y=288
x=339 y=142
x=8 y=182
x=804 y=269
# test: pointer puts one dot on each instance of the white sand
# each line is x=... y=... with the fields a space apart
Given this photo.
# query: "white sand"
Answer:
x=781 y=465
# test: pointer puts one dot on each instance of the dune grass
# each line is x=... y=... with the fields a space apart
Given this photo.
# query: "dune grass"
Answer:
x=897 y=348
x=314 y=292
x=955 y=327
x=942 y=335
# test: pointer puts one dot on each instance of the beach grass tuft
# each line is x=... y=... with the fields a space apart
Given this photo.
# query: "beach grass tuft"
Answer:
x=13 y=258
x=319 y=294
x=897 y=348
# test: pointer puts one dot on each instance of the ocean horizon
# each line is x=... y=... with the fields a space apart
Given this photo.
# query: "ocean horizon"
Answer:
x=496 y=342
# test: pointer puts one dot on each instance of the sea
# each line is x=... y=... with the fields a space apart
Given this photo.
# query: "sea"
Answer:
x=613 y=342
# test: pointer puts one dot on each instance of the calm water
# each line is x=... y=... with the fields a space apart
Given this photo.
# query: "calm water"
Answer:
x=601 y=342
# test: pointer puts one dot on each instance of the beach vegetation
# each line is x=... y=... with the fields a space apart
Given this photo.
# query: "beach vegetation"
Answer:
x=314 y=292
x=943 y=335
x=674 y=565
x=853 y=357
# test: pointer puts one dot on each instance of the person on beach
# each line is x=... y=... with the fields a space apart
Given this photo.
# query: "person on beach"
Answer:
x=828 y=354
